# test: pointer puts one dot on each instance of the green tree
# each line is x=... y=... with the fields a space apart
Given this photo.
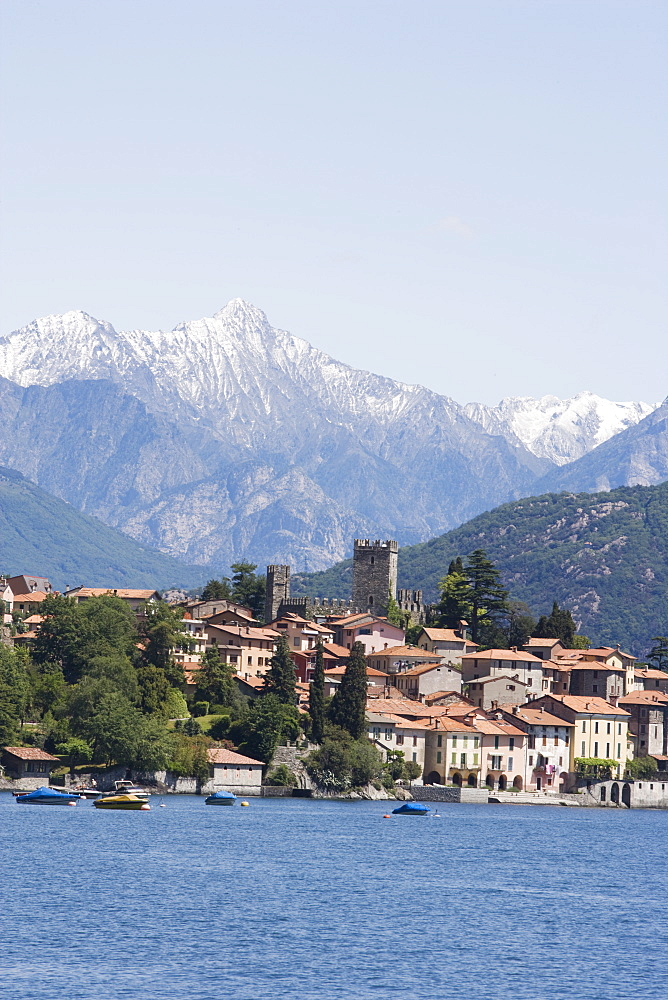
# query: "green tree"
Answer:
x=412 y=770
x=456 y=598
x=658 y=655
x=642 y=768
x=217 y=590
x=76 y=750
x=215 y=681
x=114 y=730
x=558 y=624
x=281 y=679
x=161 y=629
x=316 y=702
x=268 y=723
x=348 y=706
x=248 y=588
x=489 y=599
x=521 y=624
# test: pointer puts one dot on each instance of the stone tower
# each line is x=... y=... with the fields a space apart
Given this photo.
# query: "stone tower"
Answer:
x=278 y=591
x=374 y=574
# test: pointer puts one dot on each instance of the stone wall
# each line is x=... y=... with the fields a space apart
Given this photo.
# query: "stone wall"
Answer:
x=449 y=793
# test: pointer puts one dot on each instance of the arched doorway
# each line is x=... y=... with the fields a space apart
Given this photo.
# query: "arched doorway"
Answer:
x=517 y=782
x=626 y=795
x=614 y=793
x=433 y=778
x=563 y=781
x=472 y=781
x=489 y=781
x=457 y=779
x=503 y=782
x=602 y=793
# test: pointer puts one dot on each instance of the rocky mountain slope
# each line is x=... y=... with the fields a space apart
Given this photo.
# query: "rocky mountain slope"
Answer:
x=603 y=555
x=226 y=438
x=41 y=534
x=560 y=430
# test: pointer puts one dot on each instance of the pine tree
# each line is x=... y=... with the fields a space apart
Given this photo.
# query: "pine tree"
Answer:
x=348 y=707
x=316 y=701
x=488 y=597
x=558 y=624
x=659 y=653
x=280 y=679
x=217 y=590
x=455 y=604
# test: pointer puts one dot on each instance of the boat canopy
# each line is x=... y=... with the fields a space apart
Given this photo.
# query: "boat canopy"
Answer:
x=48 y=793
x=222 y=794
x=412 y=809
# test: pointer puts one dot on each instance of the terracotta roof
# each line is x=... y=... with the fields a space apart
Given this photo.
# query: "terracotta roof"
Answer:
x=452 y=725
x=351 y=619
x=535 y=717
x=219 y=756
x=340 y=671
x=497 y=677
x=651 y=673
x=30 y=753
x=604 y=651
x=502 y=654
x=336 y=650
x=424 y=668
x=492 y=727
x=408 y=652
x=596 y=665
x=438 y=694
x=644 y=698
x=254 y=682
x=141 y=595
x=247 y=631
x=591 y=705
x=33 y=620
x=36 y=596
x=407 y=708
x=542 y=642
x=446 y=635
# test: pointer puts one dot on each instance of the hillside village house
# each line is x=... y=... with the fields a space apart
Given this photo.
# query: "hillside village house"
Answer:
x=544 y=649
x=452 y=753
x=649 y=715
x=246 y=648
x=24 y=763
x=428 y=678
x=503 y=749
x=304 y=660
x=302 y=633
x=399 y=659
x=377 y=682
x=134 y=598
x=29 y=604
x=392 y=732
x=24 y=583
x=233 y=772
x=448 y=643
x=206 y=609
x=497 y=690
x=601 y=730
x=647 y=679
x=374 y=633
x=513 y=663
x=548 y=748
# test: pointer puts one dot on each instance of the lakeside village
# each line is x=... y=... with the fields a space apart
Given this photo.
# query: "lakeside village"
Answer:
x=249 y=689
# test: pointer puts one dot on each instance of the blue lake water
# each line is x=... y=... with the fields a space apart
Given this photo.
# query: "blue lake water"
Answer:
x=329 y=901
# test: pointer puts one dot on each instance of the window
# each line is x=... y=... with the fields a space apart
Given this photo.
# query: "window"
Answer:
x=400 y=739
x=608 y=728
x=454 y=759
x=475 y=759
x=583 y=754
x=510 y=763
x=595 y=749
x=370 y=599
x=295 y=641
x=438 y=756
x=250 y=661
x=415 y=741
x=475 y=742
x=619 y=729
x=439 y=741
x=496 y=742
x=454 y=740
x=376 y=732
x=584 y=727
x=496 y=763
x=511 y=743
x=619 y=751
x=596 y=727
x=462 y=760
x=607 y=751
x=415 y=756
x=530 y=761
x=544 y=740
x=594 y=688
x=388 y=734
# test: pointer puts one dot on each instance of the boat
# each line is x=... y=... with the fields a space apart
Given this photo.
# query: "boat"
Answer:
x=221 y=798
x=411 y=809
x=126 y=787
x=122 y=800
x=45 y=796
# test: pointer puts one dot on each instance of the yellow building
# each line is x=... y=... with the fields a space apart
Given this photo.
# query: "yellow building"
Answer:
x=601 y=730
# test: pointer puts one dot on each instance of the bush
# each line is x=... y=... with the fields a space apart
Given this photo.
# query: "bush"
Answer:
x=219 y=729
x=387 y=781
x=200 y=708
x=641 y=767
x=341 y=762
x=283 y=776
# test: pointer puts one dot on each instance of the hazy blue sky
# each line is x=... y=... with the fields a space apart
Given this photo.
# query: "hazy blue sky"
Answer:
x=471 y=195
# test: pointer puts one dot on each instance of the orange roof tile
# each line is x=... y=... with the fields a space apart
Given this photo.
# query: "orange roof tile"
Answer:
x=30 y=753
x=502 y=654
x=217 y=755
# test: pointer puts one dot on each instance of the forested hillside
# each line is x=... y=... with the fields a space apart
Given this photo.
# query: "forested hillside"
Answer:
x=603 y=555
x=43 y=535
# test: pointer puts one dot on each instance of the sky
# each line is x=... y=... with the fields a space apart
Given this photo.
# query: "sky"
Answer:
x=469 y=195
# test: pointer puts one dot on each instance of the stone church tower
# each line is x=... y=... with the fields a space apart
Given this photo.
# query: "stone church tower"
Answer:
x=278 y=591
x=374 y=574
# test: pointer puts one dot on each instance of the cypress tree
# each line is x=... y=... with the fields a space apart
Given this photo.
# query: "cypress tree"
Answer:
x=316 y=701
x=348 y=708
x=280 y=679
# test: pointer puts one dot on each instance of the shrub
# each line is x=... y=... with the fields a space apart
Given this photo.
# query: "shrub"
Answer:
x=283 y=776
x=200 y=708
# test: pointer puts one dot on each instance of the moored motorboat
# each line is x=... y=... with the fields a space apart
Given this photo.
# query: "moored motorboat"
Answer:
x=122 y=800
x=221 y=798
x=411 y=809
x=45 y=796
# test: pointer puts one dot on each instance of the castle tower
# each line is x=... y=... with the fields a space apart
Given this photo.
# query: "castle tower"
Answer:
x=374 y=574
x=278 y=591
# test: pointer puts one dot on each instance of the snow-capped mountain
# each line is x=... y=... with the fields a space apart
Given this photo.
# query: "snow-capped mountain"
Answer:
x=561 y=430
x=226 y=438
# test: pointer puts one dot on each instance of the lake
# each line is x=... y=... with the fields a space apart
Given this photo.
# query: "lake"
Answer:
x=329 y=901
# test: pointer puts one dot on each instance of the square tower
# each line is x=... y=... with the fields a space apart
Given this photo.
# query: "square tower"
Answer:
x=278 y=591
x=374 y=574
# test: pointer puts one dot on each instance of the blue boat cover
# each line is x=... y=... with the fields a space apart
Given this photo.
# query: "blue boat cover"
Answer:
x=222 y=794
x=415 y=808
x=47 y=793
